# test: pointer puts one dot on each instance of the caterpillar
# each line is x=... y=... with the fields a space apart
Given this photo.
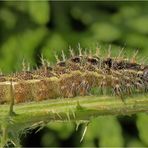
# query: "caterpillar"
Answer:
x=76 y=76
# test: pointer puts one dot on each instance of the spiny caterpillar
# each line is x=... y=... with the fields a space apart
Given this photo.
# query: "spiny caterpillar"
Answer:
x=76 y=76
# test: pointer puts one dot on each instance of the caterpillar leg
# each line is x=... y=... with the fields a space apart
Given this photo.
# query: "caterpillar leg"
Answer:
x=117 y=89
x=83 y=88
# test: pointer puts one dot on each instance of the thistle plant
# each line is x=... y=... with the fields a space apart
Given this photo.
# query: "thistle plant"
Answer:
x=77 y=89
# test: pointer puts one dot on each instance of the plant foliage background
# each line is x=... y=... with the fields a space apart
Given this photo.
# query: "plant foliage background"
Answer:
x=34 y=28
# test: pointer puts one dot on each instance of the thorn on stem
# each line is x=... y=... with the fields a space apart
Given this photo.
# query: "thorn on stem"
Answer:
x=84 y=132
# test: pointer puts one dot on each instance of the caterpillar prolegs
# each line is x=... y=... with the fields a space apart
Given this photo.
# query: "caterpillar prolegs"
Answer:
x=76 y=76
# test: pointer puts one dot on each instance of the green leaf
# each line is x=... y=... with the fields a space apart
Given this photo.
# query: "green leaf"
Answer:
x=105 y=32
x=140 y=24
x=107 y=130
x=22 y=47
x=142 y=124
x=64 y=130
x=8 y=18
x=49 y=140
x=55 y=44
x=39 y=11
x=135 y=143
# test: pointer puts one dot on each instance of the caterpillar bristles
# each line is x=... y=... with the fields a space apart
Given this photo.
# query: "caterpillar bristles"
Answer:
x=77 y=75
x=80 y=50
x=71 y=52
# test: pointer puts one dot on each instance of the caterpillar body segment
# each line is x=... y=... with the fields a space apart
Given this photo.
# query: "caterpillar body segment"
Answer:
x=76 y=76
x=5 y=91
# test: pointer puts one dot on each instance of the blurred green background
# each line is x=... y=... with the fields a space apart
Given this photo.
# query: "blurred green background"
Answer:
x=34 y=28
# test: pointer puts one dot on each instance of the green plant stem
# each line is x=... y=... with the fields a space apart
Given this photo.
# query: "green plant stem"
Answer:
x=4 y=135
x=12 y=100
x=74 y=109
x=79 y=109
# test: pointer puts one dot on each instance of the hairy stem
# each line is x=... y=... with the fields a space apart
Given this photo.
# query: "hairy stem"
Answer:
x=12 y=99
x=4 y=136
x=73 y=109
x=79 y=109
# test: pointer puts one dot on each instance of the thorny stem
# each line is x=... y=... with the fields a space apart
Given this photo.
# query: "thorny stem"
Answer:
x=4 y=135
x=12 y=99
x=71 y=109
x=84 y=132
x=4 y=126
